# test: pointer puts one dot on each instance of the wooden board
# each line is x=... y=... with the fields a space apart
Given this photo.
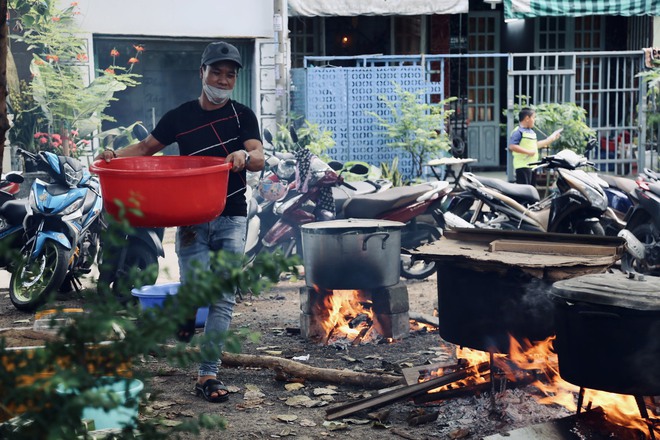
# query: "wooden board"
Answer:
x=537 y=247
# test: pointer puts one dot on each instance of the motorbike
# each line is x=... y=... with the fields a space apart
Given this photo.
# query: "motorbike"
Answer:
x=276 y=185
x=10 y=183
x=642 y=231
x=61 y=230
x=574 y=207
x=317 y=203
x=12 y=213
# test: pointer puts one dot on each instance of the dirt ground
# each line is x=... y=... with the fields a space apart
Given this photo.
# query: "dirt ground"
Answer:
x=262 y=407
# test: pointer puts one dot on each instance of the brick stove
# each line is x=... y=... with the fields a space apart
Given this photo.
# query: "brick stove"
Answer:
x=390 y=308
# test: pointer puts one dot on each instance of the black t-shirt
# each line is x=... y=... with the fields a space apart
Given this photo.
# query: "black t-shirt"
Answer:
x=212 y=133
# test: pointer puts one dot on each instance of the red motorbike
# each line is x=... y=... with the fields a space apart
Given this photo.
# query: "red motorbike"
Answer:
x=403 y=204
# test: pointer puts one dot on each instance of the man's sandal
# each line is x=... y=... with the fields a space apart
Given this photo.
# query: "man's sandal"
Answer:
x=211 y=386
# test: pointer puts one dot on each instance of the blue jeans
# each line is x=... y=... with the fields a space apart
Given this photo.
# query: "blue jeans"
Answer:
x=195 y=243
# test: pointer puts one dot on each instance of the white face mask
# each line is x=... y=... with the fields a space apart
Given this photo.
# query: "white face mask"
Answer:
x=216 y=95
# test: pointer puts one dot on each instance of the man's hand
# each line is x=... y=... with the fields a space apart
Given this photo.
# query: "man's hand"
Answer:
x=238 y=159
x=106 y=155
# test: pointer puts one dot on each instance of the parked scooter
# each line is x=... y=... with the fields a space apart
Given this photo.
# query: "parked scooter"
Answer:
x=642 y=232
x=403 y=204
x=10 y=183
x=12 y=213
x=575 y=207
x=62 y=228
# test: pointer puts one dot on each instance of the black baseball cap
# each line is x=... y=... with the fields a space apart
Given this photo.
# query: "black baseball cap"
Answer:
x=221 y=51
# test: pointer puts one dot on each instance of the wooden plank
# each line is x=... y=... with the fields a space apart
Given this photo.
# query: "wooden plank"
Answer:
x=537 y=247
x=349 y=408
x=411 y=375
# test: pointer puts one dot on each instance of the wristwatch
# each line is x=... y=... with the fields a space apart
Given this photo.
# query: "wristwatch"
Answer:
x=247 y=157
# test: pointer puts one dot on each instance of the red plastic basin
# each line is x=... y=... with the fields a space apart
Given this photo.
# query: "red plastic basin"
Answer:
x=167 y=190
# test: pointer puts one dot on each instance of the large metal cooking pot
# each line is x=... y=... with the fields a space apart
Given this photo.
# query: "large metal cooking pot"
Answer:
x=482 y=305
x=608 y=329
x=352 y=254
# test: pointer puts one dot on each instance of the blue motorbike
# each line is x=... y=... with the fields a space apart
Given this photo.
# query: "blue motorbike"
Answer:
x=62 y=229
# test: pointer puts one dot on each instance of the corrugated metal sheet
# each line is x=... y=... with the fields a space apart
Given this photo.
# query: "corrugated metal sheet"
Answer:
x=349 y=8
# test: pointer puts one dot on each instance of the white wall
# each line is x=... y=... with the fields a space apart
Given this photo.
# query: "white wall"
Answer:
x=181 y=18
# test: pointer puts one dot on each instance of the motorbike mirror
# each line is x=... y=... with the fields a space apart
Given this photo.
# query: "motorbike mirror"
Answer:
x=140 y=132
x=294 y=135
x=335 y=165
x=359 y=169
x=268 y=136
x=592 y=143
x=14 y=178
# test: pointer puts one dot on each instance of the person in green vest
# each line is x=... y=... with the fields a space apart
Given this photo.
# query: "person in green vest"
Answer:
x=525 y=147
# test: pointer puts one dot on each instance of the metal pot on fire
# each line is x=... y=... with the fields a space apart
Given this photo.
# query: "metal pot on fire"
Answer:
x=352 y=254
x=608 y=332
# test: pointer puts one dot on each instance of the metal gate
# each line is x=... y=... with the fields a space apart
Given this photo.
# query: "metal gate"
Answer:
x=605 y=84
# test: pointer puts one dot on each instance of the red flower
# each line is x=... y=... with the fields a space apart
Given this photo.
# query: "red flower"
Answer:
x=56 y=18
x=53 y=58
x=114 y=53
x=56 y=144
x=110 y=71
x=74 y=4
x=74 y=132
x=82 y=57
x=133 y=60
x=43 y=140
x=39 y=62
x=56 y=136
x=139 y=47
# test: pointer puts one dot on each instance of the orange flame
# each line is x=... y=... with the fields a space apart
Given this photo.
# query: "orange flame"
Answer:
x=343 y=306
x=541 y=357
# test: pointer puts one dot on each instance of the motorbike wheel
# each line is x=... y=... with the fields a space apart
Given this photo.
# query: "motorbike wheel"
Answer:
x=33 y=282
x=132 y=273
x=418 y=270
x=650 y=237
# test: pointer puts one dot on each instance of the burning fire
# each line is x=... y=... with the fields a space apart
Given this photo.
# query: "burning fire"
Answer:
x=349 y=316
x=540 y=360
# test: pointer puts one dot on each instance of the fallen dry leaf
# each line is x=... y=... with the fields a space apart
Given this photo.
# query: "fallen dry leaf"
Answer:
x=307 y=423
x=459 y=433
x=287 y=418
x=334 y=426
x=294 y=386
x=323 y=391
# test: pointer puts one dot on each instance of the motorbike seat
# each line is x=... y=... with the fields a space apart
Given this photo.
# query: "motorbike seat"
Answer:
x=622 y=183
x=342 y=194
x=14 y=211
x=373 y=205
x=525 y=194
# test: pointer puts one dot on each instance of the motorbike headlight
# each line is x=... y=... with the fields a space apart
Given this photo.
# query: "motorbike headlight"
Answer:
x=597 y=198
x=32 y=200
x=71 y=176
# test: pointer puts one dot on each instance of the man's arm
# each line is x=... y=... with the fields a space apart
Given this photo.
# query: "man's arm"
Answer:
x=146 y=147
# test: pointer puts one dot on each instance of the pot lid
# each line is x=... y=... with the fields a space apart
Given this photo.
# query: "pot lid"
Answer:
x=641 y=292
x=350 y=224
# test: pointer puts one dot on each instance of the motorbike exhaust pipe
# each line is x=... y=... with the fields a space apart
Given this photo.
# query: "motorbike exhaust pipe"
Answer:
x=633 y=245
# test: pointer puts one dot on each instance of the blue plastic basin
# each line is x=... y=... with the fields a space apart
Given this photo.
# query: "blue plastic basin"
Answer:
x=154 y=296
